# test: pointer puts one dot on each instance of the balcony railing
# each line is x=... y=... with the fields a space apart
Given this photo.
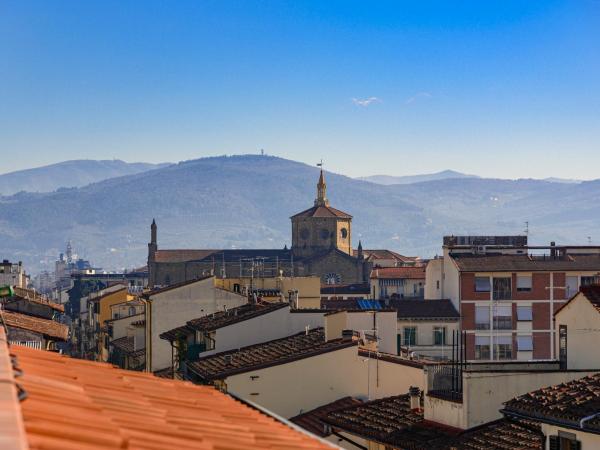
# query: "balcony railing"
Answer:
x=445 y=381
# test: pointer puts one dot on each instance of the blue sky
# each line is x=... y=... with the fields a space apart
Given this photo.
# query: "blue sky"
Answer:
x=506 y=89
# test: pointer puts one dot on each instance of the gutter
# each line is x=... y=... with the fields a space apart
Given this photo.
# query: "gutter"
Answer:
x=554 y=422
x=587 y=418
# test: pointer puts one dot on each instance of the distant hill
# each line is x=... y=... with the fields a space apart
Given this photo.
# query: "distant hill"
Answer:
x=246 y=201
x=409 y=179
x=67 y=174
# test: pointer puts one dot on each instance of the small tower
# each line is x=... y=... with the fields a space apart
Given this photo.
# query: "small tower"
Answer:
x=153 y=244
x=321 y=199
x=360 y=251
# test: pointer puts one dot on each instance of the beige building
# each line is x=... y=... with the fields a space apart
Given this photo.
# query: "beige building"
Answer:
x=398 y=282
x=298 y=373
x=12 y=274
x=173 y=306
x=577 y=325
x=302 y=292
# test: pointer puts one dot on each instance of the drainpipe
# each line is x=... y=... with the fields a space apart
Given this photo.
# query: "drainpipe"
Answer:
x=147 y=316
x=586 y=419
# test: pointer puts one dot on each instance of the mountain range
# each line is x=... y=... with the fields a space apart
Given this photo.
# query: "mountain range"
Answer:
x=409 y=179
x=246 y=201
x=74 y=173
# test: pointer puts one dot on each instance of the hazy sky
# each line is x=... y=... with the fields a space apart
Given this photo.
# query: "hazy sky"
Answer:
x=505 y=89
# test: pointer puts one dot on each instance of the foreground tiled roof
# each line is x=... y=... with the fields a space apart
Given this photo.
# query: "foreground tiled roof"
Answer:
x=399 y=273
x=519 y=263
x=34 y=297
x=389 y=421
x=241 y=313
x=48 y=328
x=82 y=405
x=565 y=403
x=502 y=434
x=424 y=309
x=280 y=351
x=312 y=420
x=323 y=212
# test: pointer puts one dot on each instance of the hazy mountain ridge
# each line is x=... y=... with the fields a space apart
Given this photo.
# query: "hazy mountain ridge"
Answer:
x=69 y=174
x=246 y=201
x=409 y=179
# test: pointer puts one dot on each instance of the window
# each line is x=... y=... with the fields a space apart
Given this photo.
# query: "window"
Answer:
x=564 y=441
x=410 y=336
x=502 y=288
x=482 y=318
x=482 y=284
x=482 y=347
x=132 y=310
x=587 y=281
x=572 y=287
x=503 y=347
x=524 y=283
x=437 y=284
x=524 y=313
x=525 y=343
x=439 y=335
x=502 y=317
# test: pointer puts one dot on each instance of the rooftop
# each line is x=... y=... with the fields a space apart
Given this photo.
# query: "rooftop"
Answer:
x=502 y=434
x=126 y=344
x=267 y=354
x=565 y=404
x=241 y=313
x=125 y=410
x=525 y=263
x=351 y=288
x=34 y=297
x=375 y=254
x=399 y=273
x=389 y=421
x=424 y=309
x=590 y=293
x=45 y=327
x=312 y=420
x=323 y=211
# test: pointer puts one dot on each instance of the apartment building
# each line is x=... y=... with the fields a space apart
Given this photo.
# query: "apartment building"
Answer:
x=507 y=291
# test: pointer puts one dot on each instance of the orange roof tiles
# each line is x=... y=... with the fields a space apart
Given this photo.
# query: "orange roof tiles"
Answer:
x=415 y=273
x=34 y=297
x=49 y=328
x=82 y=405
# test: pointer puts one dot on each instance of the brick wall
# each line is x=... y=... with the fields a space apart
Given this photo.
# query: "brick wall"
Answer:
x=467 y=288
x=541 y=345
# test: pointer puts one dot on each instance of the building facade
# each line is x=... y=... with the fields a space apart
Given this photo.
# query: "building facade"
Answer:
x=507 y=292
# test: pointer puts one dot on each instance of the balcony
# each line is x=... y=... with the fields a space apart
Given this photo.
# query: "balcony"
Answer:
x=445 y=381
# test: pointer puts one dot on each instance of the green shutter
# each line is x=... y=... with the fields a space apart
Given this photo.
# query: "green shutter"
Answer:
x=554 y=443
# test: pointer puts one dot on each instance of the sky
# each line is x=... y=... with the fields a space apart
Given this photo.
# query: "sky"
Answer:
x=504 y=89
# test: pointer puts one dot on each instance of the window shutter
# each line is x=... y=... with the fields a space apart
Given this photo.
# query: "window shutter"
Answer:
x=576 y=445
x=554 y=443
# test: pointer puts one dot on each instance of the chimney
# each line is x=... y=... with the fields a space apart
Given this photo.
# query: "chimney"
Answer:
x=414 y=394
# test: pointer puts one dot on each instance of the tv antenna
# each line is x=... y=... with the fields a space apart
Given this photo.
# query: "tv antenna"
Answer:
x=526 y=228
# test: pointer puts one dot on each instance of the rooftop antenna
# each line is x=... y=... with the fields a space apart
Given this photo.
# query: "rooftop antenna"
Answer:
x=262 y=152
x=589 y=240
x=527 y=228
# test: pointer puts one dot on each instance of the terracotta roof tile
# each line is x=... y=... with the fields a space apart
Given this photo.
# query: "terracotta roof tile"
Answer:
x=323 y=211
x=34 y=297
x=565 y=403
x=125 y=344
x=312 y=420
x=519 y=263
x=397 y=273
x=48 y=328
x=390 y=421
x=502 y=434
x=279 y=351
x=102 y=407
x=241 y=313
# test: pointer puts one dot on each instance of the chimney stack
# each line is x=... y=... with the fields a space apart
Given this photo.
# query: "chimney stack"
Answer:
x=414 y=394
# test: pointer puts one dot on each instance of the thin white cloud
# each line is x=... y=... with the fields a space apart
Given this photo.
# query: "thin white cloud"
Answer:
x=366 y=102
x=417 y=96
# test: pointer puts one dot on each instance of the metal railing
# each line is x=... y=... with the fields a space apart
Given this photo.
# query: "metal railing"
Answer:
x=446 y=380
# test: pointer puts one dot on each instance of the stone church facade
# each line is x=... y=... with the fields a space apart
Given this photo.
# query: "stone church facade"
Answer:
x=321 y=246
